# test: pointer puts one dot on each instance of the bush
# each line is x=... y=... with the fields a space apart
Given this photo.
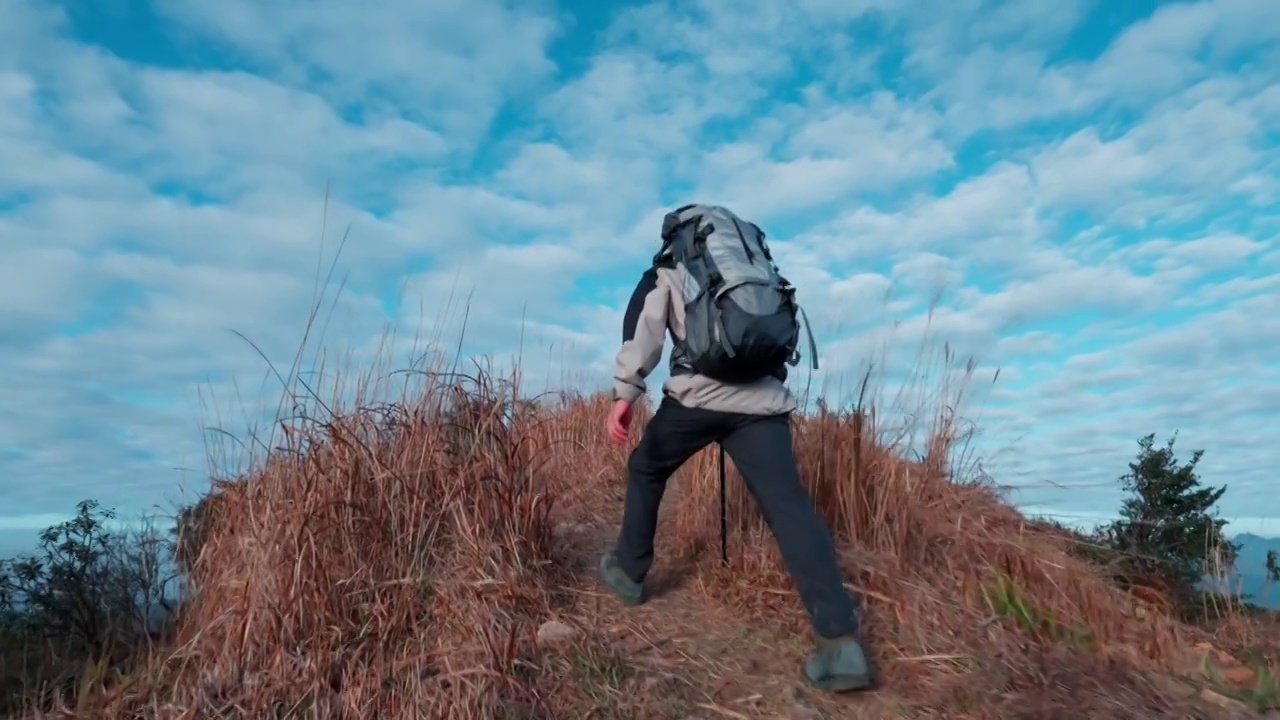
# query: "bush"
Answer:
x=1169 y=532
x=88 y=596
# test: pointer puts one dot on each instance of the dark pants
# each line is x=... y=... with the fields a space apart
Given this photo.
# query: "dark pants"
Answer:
x=761 y=449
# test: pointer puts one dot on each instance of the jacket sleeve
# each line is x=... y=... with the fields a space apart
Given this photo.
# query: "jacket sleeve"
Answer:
x=644 y=328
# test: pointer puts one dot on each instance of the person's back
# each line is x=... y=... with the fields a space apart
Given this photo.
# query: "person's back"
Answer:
x=733 y=340
x=657 y=310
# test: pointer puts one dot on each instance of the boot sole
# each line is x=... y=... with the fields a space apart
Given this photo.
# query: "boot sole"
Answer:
x=628 y=600
x=838 y=684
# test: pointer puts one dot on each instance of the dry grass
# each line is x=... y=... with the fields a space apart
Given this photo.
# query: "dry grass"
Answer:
x=969 y=606
x=396 y=560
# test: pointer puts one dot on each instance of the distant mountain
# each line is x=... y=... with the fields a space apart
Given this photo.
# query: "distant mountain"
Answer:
x=1253 y=550
x=1251 y=569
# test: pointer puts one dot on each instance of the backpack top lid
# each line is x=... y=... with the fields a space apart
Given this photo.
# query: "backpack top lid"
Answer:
x=673 y=220
x=735 y=248
x=706 y=220
x=672 y=223
x=685 y=215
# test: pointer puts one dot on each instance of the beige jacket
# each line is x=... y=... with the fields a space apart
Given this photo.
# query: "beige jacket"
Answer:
x=656 y=308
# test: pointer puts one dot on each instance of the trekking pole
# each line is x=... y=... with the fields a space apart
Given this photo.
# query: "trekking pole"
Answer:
x=724 y=524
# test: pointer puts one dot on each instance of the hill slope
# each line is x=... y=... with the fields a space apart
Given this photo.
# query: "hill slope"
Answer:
x=432 y=558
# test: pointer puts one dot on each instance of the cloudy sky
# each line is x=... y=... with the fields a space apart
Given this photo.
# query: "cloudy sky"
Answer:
x=1085 y=191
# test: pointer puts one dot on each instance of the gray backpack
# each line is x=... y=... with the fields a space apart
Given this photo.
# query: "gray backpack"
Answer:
x=742 y=322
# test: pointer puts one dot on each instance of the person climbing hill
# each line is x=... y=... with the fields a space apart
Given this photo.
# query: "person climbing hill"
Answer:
x=735 y=327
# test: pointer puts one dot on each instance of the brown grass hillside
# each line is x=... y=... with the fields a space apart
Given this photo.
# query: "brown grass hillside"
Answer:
x=432 y=557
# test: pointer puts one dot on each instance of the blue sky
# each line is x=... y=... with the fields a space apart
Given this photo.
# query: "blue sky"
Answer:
x=1091 y=187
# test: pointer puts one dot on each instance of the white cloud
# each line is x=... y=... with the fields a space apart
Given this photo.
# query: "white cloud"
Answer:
x=1178 y=162
x=830 y=155
x=450 y=62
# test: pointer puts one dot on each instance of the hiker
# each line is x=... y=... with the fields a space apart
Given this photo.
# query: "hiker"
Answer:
x=733 y=321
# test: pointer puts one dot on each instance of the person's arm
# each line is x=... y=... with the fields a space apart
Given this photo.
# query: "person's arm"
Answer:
x=644 y=329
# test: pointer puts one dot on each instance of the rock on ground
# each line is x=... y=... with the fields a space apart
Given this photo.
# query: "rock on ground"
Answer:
x=555 y=632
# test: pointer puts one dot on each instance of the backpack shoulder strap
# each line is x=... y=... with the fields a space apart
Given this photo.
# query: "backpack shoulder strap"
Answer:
x=664 y=258
x=631 y=317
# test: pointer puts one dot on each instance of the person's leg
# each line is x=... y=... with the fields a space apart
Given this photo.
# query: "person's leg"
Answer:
x=761 y=449
x=672 y=436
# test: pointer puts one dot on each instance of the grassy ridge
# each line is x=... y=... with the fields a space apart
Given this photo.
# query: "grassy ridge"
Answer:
x=397 y=560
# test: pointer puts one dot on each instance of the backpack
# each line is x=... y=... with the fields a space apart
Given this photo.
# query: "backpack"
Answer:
x=742 y=322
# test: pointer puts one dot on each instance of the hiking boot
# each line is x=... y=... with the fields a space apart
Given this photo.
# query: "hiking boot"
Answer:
x=838 y=665
x=628 y=591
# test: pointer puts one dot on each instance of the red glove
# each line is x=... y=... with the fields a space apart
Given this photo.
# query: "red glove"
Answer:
x=619 y=421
